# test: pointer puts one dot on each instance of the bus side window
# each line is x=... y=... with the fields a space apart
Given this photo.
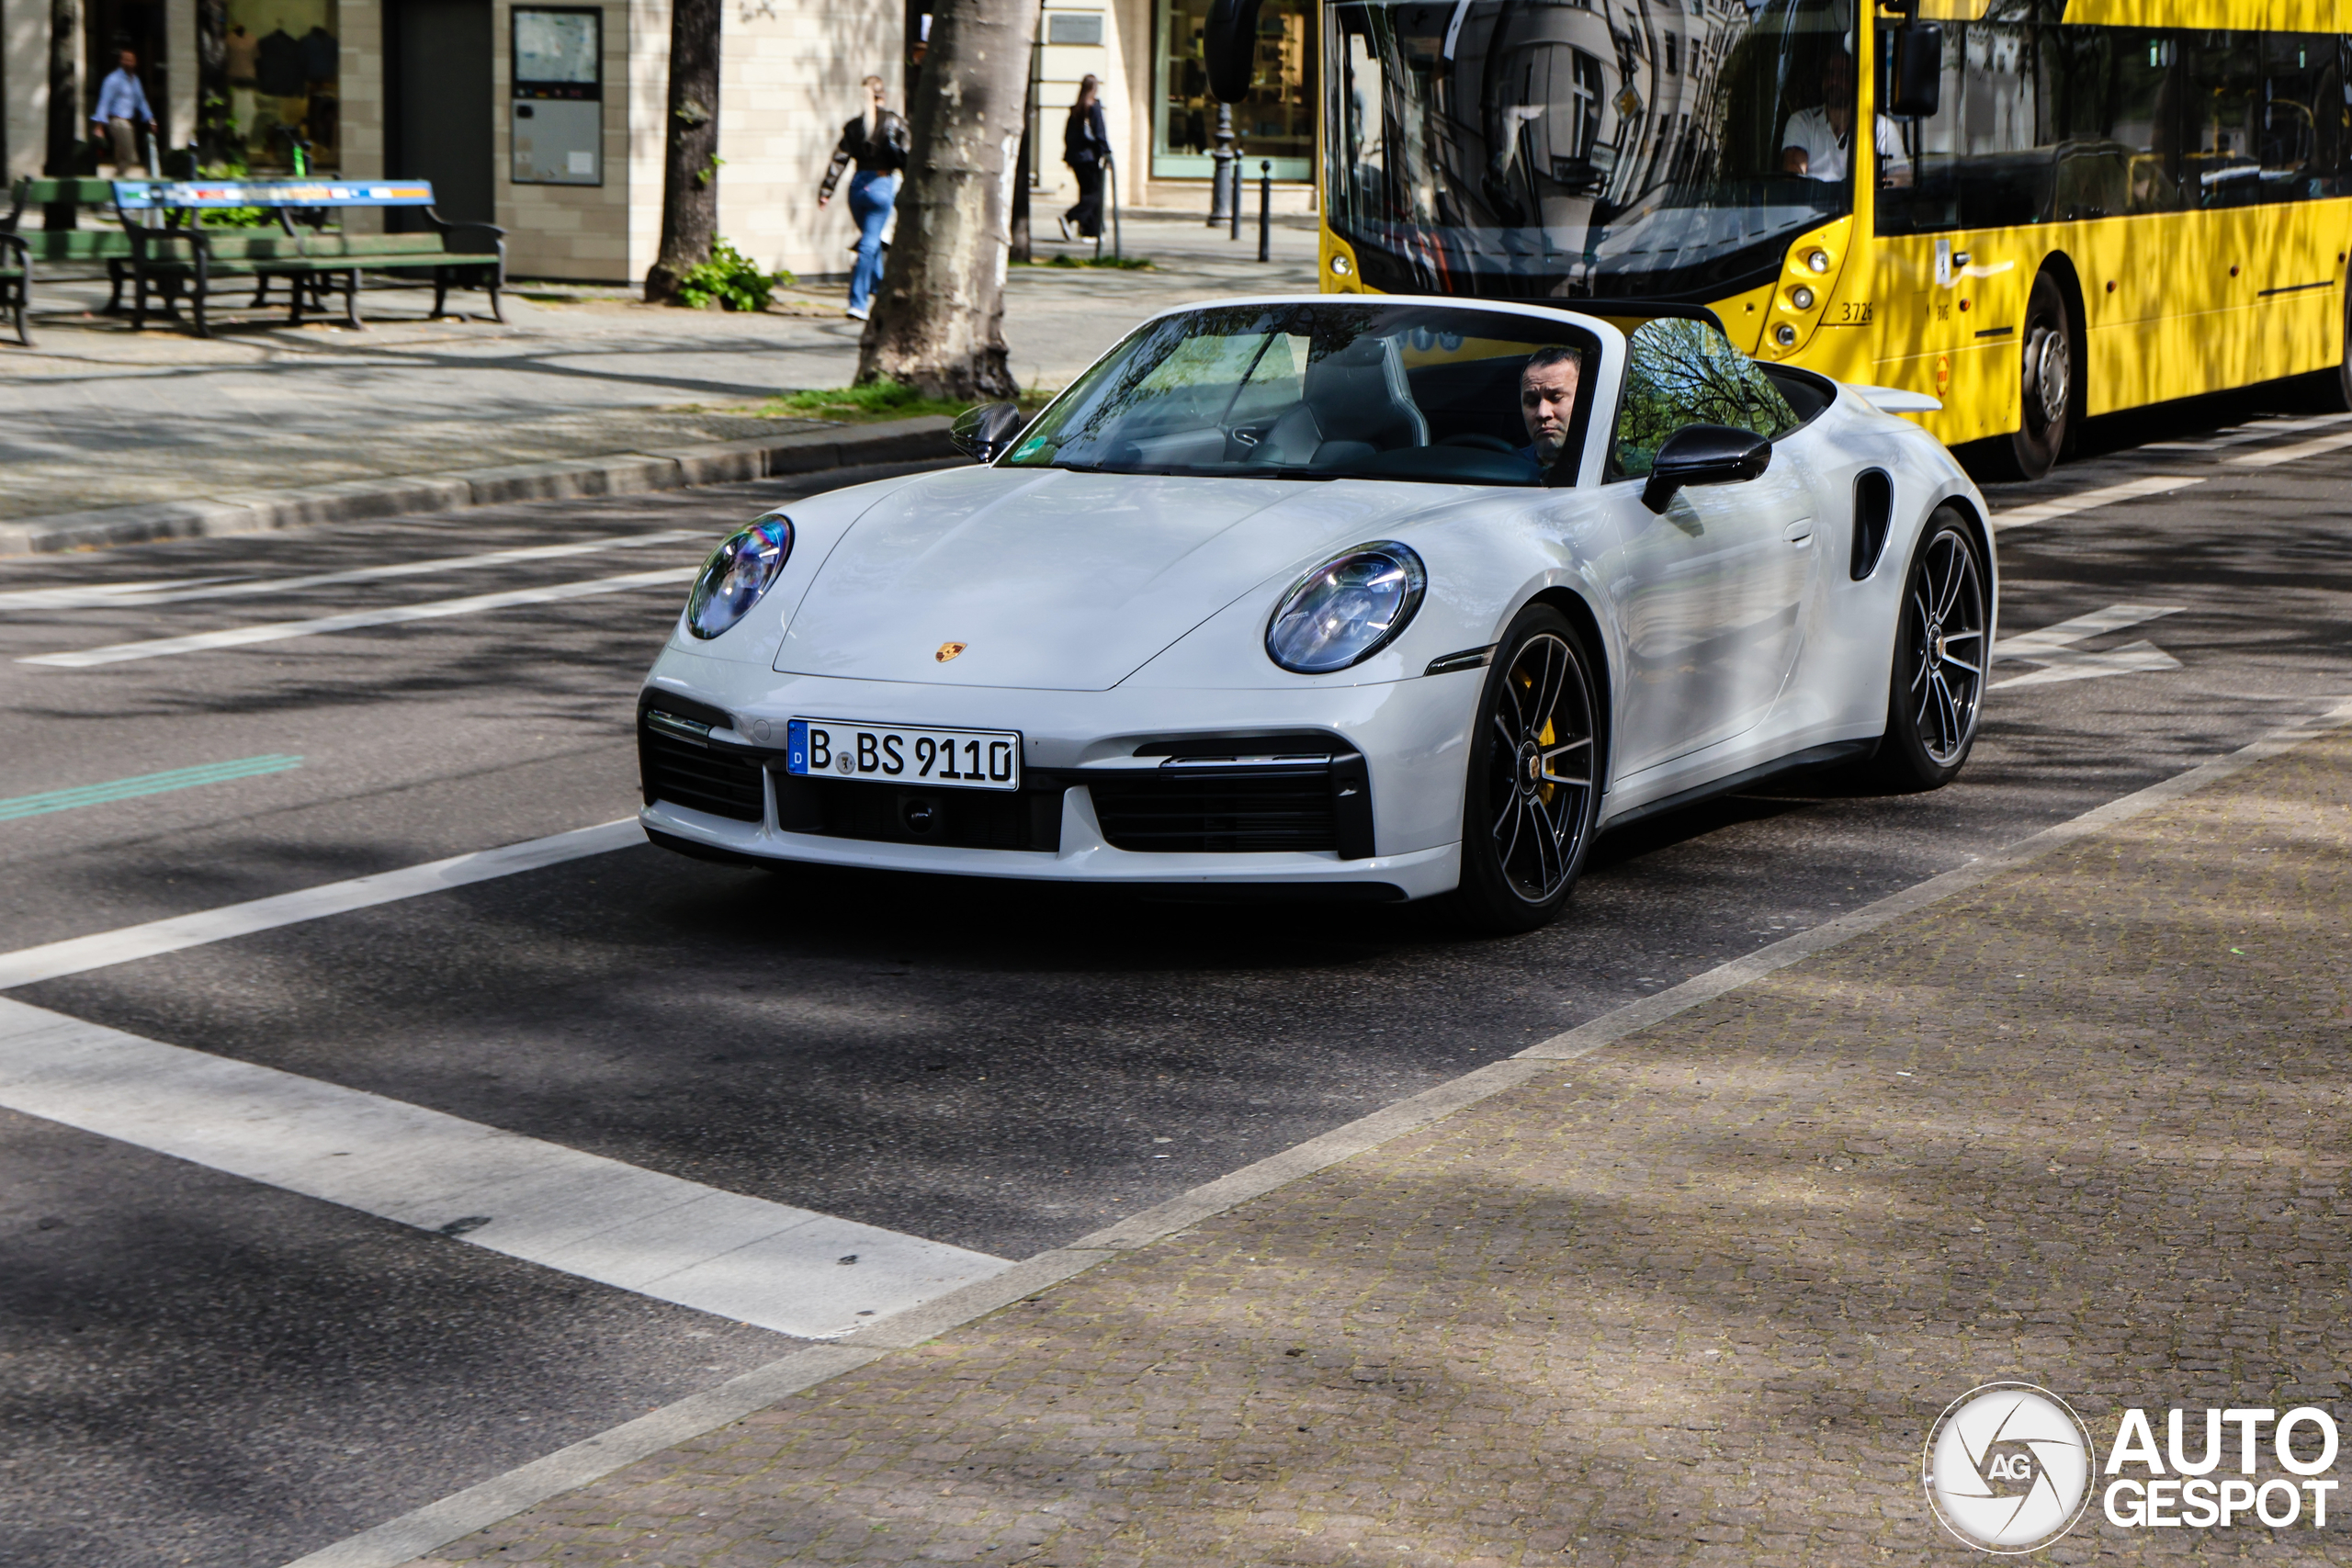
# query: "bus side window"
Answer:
x=2041 y=122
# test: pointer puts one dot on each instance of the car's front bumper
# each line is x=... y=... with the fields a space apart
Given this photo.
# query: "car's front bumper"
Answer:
x=1411 y=734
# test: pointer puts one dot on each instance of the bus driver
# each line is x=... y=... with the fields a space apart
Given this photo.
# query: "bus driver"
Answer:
x=1815 y=143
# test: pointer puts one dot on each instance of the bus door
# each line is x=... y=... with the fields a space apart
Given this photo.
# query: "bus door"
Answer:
x=1943 y=291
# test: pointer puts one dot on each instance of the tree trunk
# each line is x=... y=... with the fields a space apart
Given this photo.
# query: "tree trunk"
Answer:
x=690 y=173
x=938 y=322
x=64 y=105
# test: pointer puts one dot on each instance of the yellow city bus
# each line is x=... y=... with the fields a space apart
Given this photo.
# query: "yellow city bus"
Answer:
x=2062 y=208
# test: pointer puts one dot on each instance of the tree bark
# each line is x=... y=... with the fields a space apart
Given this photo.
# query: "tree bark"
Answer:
x=938 y=322
x=690 y=171
x=64 y=105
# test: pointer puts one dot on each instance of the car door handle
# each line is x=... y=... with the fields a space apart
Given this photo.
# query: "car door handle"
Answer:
x=1799 y=532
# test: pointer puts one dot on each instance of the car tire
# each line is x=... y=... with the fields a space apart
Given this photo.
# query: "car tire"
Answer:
x=1936 y=689
x=2048 y=362
x=1532 y=793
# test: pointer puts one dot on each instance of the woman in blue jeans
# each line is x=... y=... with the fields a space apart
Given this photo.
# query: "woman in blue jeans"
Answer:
x=876 y=142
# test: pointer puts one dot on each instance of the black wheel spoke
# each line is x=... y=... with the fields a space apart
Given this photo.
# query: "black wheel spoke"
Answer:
x=1541 y=794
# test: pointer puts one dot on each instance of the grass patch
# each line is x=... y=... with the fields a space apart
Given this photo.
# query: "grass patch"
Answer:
x=869 y=404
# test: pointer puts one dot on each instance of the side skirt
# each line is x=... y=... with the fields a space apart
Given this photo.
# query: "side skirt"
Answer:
x=1812 y=760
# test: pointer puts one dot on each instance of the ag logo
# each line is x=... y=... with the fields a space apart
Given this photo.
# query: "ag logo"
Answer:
x=2008 y=1468
x=948 y=650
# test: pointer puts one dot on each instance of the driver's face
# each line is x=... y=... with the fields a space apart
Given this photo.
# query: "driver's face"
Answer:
x=1547 y=395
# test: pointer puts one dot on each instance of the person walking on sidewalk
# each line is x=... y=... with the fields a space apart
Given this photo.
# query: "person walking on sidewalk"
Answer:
x=122 y=109
x=876 y=142
x=1085 y=148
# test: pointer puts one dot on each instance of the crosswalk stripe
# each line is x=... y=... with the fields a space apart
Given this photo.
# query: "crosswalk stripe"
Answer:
x=77 y=955
x=767 y=1264
x=389 y=616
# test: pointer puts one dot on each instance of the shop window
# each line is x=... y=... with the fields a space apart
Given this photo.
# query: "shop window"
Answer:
x=284 y=66
x=1275 y=122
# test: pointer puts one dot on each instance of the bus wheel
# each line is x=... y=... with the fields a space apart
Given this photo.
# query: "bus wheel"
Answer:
x=2334 y=387
x=2046 y=384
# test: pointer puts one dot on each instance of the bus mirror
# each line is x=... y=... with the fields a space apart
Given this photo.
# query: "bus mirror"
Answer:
x=1229 y=48
x=1917 y=77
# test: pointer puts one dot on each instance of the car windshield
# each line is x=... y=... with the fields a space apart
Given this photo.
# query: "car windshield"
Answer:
x=1526 y=147
x=1328 y=390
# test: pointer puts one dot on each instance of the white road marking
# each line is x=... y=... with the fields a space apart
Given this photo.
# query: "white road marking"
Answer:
x=390 y=616
x=96 y=595
x=2081 y=629
x=2279 y=454
x=770 y=1265
x=121 y=596
x=2084 y=501
x=2245 y=434
x=77 y=955
x=2052 y=648
x=2077 y=664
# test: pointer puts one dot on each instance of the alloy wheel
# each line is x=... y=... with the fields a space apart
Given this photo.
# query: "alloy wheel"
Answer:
x=1945 y=621
x=1540 y=773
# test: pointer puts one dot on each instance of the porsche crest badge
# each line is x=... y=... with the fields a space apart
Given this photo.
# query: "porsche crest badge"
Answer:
x=948 y=650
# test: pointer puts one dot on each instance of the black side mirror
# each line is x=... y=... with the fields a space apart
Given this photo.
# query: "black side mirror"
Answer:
x=1229 y=48
x=1914 y=86
x=982 y=433
x=1704 y=455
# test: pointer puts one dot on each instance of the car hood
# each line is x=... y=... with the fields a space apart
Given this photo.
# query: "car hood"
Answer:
x=1062 y=580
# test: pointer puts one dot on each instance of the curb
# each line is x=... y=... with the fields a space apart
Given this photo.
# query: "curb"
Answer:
x=359 y=501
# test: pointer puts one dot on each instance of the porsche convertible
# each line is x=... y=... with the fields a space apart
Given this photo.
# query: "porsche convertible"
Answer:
x=1393 y=598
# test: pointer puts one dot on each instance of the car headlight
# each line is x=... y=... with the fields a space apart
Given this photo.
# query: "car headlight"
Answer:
x=1347 y=609
x=737 y=573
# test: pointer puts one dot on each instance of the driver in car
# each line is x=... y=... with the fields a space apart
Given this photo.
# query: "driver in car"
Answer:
x=1547 y=396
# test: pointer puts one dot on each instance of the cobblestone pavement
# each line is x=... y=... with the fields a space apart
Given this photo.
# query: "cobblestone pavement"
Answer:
x=1696 y=1298
x=97 y=415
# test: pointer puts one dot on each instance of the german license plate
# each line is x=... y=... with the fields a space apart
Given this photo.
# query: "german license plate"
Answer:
x=881 y=753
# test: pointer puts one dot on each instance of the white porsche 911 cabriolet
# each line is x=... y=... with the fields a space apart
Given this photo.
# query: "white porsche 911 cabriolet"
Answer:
x=1395 y=597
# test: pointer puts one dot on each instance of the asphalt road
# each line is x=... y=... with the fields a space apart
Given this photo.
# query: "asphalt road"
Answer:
x=202 y=1368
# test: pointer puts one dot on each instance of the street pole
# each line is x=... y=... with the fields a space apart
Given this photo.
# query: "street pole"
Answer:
x=1236 y=208
x=1224 y=154
x=1265 y=208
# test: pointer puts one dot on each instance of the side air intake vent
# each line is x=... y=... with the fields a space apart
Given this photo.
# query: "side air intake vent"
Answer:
x=1873 y=510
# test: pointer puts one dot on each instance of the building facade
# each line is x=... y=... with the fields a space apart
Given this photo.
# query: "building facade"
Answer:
x=548 y=119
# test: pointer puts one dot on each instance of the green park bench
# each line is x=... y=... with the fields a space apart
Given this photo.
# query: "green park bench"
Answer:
x=162 y=250
x=21 y=247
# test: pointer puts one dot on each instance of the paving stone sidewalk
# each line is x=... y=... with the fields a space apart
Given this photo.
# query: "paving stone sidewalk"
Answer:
x=1694 y=1298
x=96 y=415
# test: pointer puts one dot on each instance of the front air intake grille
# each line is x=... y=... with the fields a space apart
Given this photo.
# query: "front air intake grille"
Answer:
x=679 y=772
x=1216 y=807
x=1233 y=815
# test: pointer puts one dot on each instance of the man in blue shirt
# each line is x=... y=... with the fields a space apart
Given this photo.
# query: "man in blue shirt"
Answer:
x=122 y=109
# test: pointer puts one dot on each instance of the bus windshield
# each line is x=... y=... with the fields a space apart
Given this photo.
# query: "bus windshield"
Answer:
x=1620 y=148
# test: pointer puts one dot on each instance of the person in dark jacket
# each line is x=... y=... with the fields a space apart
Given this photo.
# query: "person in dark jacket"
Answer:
x=1085 y=148
x=876 y=142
